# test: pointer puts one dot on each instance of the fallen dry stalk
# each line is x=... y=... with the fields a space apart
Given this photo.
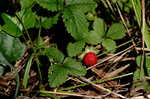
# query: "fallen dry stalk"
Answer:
x=102 y=88
x=69 y=94
x=116 y=72
x=145 y=49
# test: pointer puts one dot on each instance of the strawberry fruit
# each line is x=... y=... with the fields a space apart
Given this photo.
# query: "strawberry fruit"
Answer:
x=90 y=59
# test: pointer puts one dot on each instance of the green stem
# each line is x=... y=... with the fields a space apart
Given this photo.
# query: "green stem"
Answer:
x=38 y=66
x=26 y=31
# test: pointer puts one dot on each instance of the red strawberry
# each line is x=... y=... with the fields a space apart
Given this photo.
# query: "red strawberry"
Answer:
x=90 y=59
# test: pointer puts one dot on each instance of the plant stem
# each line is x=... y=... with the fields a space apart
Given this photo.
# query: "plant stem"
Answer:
x=26 y=31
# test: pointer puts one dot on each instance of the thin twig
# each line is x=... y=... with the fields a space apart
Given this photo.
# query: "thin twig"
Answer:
x=120 y=57
x=102 y=88
x=116 y=72
x=121 y=16
x=143 y=43
x=69 y=94
x=145 y=49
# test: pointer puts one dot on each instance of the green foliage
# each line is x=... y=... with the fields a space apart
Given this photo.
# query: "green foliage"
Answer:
x=137 y=74
x=75 y=19
x=39 y=43
x=26 y=3
x=125 y=5
x=99 y=26
x=27 y=70
x=75 y=22
x=9 y=26
x=74 y=49
x=11 y=48
x=73 y=67
x=1 y=70
x=109 y=44
x=146 y=64
x=90 y=16
x=58 y=73
x=55 y=54
x=53 y=5
x=49 y=22
x=143 y=71
x=29 y=19
x=96 y=35
x=3 y=60
x=93 y=38
x=137 y=9
x=146 y=35
x=99 y=34
x=116 y=31
x=82 y=5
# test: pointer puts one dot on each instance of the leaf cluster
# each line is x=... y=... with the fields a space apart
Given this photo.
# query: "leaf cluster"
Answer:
x=59 y=72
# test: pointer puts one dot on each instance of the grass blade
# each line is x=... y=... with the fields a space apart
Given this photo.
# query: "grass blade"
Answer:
x=27 y=70
x=137 y=9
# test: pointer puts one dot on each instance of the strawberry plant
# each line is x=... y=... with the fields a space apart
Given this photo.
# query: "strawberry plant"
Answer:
x=100 y=34
x=63 y=48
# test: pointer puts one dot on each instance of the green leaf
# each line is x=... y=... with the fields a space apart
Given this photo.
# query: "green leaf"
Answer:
x=9 y=26
x=123 y=1
x=1 y=70
x=90 y=16
x=146 y=35
x=29 y=19
x=49 y=22
x=11 y=48
x=39 y=43
x=116 y=31
x=3 y=60
x=146 y=63
x=74 y=49
x=124 y=5
x=82 y=5
x=57 y=75
x=93 y=37
x=136 y=75
x=137 y=9
x=26 y=3
x=99 y=26
x=55 y=54
x=27 y=70
x=144 y=71
x=53 y=5
x=109 y=44
x=75 y=22
x=74 y=68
